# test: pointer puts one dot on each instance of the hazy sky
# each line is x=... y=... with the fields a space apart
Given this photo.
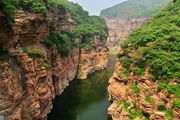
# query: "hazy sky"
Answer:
x=94 y=7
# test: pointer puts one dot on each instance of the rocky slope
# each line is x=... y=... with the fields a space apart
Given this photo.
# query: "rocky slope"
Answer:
x=146 y=79
x=127 y=105
x=127 y=16
x=31 y=75
x=119 y=28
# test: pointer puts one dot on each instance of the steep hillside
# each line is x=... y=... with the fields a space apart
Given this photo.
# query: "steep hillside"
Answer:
x=128 y=16
x=44 y=45
x=134 y=8
x=146 y=80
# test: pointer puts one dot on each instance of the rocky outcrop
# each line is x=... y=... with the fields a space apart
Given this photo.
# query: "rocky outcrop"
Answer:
x=28 y=84
x=95 y=58
x=119 y=28
x=139 y=97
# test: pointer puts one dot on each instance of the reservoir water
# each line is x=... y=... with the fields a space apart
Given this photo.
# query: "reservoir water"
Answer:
x=85 y=99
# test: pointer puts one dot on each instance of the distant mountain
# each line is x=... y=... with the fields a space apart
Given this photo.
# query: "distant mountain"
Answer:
x=134 y=8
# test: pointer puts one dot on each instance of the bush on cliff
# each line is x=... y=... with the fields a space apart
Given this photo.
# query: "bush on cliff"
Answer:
x=157 y=45
x=3 y=53
x=86 y=28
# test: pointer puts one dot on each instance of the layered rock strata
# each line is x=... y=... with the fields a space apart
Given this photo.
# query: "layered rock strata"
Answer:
x=119 y=28
x=139 y=96
x=28 y=85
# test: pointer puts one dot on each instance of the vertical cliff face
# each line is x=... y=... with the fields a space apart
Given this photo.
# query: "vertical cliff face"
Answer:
x=146 y=79
x=32 y=74
x=95 y=58
x=120 y=27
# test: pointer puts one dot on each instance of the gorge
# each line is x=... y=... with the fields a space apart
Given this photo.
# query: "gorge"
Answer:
x=50 y=51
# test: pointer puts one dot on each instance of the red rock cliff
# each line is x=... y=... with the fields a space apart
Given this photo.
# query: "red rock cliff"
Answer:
x=28 y=85
x=119 y=28
x=139 y=96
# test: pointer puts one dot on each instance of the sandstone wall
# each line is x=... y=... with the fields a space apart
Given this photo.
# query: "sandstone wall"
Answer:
x=27 y=86
x=119 y=28
x=121 y=91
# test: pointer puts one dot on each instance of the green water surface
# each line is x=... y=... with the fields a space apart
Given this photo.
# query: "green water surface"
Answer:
x=85 y=99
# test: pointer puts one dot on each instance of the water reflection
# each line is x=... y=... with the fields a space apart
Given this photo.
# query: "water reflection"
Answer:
x=1 y=118
x=84 y=99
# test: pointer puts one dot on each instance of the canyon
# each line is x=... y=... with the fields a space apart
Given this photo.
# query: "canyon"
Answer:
x=28 y=84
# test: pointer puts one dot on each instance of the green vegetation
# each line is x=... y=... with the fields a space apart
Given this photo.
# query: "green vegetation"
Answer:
x=162 y=56
x=64 y=42
x=162 y=85
x=81 y=73
x=3 y=53
x=8 y=7
x=174 y=89
x=35 y=53
x=138 y=71
x=162 y=107
x=87 y=28
x=146 y=89
x=53 y=57
x=45 y=65
x=135 y=8
x=169 y=114
x=137 y=112
x=134 y=115
x=149 y=99
x=126 y=105
x=136 y=89
x=176 y=104
x=84 y=62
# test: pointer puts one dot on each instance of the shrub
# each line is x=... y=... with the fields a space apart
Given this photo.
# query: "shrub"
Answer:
x=8 y=8
x=3 y=53
x=176 y=104
x=146 y=89
x=126 y=105
x=125 y=72
x=47 y=43
x=174 y=89
x=149 y=99
x=35 y=53
x=37 y=6
x=84 y=62
x=136 y=89
x=125 y=61
x=45 y=65
x=169 y=113
x=162 y=85
x=138 y=71
x=81 y=73
x=134 y=115
x=53 y=57
x=162 y=107
x=162 y=56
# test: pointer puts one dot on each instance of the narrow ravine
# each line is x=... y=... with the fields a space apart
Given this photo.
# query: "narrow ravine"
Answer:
x=85 y=99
